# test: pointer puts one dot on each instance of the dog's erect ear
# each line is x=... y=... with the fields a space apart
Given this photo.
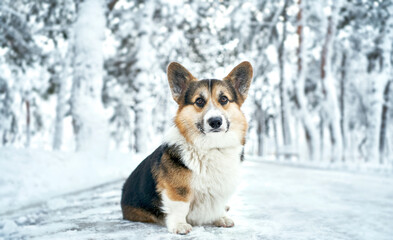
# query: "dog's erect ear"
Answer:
x=178 y=77
x=240 y=78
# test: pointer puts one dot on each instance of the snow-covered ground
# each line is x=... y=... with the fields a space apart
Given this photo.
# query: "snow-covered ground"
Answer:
x=28 y=176
x=273 y=201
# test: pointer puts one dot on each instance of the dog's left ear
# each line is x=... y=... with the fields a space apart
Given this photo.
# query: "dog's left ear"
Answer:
x=240 y=78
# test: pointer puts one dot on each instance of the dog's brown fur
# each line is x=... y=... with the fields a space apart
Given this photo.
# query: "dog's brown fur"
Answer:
x=172 y=178
x=138 y=215
x=165 y=169
x=229 y=87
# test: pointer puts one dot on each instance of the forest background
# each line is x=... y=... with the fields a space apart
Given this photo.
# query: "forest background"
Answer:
x=89 y=76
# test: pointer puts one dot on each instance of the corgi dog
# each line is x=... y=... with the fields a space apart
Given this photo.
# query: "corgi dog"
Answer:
x=189 y=179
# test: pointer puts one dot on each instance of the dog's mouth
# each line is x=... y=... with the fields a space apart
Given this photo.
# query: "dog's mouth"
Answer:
x=216 y=130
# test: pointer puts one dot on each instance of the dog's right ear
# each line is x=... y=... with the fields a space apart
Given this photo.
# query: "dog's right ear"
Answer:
x=178 y=77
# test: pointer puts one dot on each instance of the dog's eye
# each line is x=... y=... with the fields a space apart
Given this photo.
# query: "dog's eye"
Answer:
x=223 y=100
x=200 y=102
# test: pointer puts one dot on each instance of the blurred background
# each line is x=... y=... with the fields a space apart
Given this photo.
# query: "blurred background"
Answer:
x=89 y=76
x=84 y=98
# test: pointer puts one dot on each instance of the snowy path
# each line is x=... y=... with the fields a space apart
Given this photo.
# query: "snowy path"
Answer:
x=273 y=202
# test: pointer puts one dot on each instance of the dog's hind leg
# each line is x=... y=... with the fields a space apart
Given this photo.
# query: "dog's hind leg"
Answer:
x=138 y=215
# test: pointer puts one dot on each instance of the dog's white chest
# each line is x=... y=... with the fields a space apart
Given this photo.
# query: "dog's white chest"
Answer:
x=214 y=180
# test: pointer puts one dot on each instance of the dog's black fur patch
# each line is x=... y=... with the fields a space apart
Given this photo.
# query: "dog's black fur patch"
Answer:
x=242 y=155
x=193 y=86
x=139 y=190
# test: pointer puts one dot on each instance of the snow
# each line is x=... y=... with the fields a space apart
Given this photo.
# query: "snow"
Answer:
x=116 y=67
x=87 y=110
x=273 y=201
x=28 y=176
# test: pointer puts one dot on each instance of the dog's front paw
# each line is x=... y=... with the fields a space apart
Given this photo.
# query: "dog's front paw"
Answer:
x=180 y=228
x=224 y=222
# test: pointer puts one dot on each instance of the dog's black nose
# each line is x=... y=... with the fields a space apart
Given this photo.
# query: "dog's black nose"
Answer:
x=215 y=122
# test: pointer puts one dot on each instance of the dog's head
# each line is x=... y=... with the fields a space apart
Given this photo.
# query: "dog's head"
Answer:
x=209 y=112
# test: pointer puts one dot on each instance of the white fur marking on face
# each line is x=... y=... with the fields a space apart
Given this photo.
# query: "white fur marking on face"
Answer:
x=214 y=112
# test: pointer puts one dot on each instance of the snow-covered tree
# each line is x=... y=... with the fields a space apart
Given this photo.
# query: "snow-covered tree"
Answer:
x=322 y=72
x=89 y=119
x=328 y=82
x=301 y=101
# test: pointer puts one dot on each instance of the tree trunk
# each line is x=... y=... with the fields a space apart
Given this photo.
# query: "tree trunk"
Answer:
x=61 y=103
x=311 y=134
x=384 y=119
x=284 y=102
x=89 y=122
x=380 y=77
x=28 y=115
x=274 y=122
x=142 y=67
x=260 y=125
x=260 y=137
x=322 y=136
x=330 y=104
x=386 y=88
x=342 y=101
x=58 y=134
x=140 y=140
